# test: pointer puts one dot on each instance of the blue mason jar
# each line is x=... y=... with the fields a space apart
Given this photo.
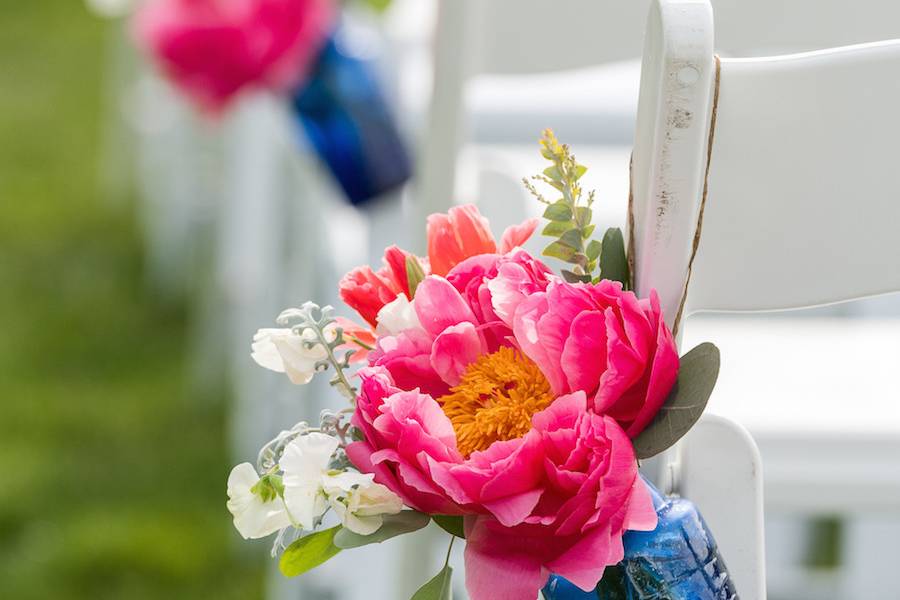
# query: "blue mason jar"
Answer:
x=346 y=118
x=679 y=560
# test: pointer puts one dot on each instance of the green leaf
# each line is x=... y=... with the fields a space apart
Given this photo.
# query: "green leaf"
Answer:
x=308 y=552
x=558 y=211
x=586 y=232
x=452 y=524
x=572 y=239
x=696 y=379
x=579 y=171
x=584 y=215
x=560 y=251
x=438 y=588
x=613 y=261
x=405 y=521
x=553 y=173
x=572 y=277
x=557 y=228
x=593 y=249
x=414 y=274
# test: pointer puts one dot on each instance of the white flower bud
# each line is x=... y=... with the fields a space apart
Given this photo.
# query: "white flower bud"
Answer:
x=396 y=316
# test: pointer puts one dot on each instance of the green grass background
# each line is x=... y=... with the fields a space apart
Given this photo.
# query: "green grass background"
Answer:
x=111 y=474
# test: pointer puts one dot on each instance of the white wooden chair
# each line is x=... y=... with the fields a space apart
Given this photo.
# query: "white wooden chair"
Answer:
x=505 y=69
x=787 y=163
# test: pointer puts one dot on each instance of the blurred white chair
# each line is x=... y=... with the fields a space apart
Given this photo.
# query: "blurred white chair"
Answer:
x=797 y=206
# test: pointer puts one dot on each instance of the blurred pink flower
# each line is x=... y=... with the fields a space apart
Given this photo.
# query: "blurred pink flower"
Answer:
x=213 y=49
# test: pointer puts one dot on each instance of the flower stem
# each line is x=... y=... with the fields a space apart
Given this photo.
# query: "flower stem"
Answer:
x=449 y=548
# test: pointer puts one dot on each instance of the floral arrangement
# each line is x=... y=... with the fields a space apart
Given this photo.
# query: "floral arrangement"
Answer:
x=505 y=403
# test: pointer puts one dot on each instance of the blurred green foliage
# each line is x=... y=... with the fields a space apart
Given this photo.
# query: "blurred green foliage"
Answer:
x=112 y=477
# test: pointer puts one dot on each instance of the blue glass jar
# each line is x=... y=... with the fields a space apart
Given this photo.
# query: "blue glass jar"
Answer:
x=346 y=118
x=679 y=560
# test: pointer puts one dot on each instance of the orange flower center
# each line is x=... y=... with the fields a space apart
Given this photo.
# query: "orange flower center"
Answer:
x=495 y=400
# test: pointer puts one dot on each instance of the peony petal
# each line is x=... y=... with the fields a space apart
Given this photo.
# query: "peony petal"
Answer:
x=455 y=349
x=512 y=510
x=440 y=306
x=498 y=566
x=641 y=515
x=584 y=353
x=525 y=327
x=517 y=235
x=584 y=562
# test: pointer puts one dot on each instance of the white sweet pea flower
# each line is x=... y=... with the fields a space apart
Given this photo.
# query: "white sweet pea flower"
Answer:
x=258 y=510
x=305 y=464
x=359 y=502
x=284 y=351
x=397 y=315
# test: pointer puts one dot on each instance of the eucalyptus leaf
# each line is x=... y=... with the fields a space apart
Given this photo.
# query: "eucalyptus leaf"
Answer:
x=553 y=173
x=613 y=260
x=438 y=588
x=571 y=238
x=696 y=379
x=558 y=211
x=560 y=251
x=593 y=249
x=572 y=277
x=405 y=521
x=557 y=228
x=452 y=524
x=308 y=552
x=584 y=215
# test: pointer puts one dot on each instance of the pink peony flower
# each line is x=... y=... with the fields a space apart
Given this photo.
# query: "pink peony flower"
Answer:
x=212 y=49
x=463 y=233
x=507 y=403
x=458 y=322
x=556 y=499
x=601 y=340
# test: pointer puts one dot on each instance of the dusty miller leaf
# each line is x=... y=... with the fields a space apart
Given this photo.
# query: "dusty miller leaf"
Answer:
x=696 y=379
x=405 y=521
x=308 y=552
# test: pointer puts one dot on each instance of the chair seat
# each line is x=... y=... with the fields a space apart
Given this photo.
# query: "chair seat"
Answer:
x=821 y=398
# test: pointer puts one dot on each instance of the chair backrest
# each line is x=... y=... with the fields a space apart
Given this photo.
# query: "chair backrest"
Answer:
x=718 y=464
x=802 y=196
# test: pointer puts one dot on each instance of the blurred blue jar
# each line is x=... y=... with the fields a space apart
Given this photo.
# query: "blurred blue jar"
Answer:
x=345 y=116
x=679 y=560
